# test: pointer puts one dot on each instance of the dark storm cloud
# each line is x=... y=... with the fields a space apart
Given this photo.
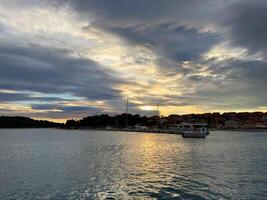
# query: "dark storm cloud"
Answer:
x=50 y=70
x=246 y=21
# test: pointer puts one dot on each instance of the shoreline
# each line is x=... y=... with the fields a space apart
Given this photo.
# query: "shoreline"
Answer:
x=241 y=129
x=164 y=131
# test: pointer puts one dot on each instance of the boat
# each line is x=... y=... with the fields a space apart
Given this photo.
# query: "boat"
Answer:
x=194 y=129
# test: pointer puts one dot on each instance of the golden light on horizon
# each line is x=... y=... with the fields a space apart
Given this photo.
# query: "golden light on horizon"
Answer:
x=93 y=65
x=148 y=108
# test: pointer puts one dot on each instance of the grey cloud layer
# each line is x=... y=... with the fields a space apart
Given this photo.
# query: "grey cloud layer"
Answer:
x=175 y=31
x=175 y=43
x=131 y=13
x=53 y=71
x=46 y=70
x=246 y=21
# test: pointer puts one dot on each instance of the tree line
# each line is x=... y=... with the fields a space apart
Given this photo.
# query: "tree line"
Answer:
x=119 y=121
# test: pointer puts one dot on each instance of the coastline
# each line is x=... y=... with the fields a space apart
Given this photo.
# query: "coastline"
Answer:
x=164 y=131
x=242 y=129
x=128 y=130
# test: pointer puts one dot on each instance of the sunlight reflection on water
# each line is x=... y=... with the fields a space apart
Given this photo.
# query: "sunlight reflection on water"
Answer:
x=61 y=164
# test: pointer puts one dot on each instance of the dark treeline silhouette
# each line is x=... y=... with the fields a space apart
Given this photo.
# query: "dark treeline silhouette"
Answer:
x=214 y=120
x=119 y=121
x=25 y=122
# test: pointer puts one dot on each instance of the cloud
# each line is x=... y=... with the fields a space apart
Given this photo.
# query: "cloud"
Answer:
x=171 y=30
x=245 y=21
x=9 y=97
x=231 y=84
x=176 y=43
x=75 y=57
x=65 y=108
x=49 y=70
x=125 y=13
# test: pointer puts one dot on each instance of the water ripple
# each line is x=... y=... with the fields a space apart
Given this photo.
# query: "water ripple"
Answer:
x=59 y=164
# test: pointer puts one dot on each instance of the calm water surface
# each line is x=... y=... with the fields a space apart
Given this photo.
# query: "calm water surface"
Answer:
x=66 y=164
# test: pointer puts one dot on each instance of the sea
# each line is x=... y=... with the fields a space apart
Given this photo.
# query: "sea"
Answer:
x=86 y=164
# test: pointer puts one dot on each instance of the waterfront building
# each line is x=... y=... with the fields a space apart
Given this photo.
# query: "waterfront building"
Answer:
x=231 y=124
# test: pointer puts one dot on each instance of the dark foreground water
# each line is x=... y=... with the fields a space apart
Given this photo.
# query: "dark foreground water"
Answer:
x=63 y=164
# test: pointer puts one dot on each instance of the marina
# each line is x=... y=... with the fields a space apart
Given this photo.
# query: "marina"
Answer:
x=186 y=129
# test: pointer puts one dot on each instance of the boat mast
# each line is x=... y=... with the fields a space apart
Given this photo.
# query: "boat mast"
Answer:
x=158 y=109
x=158 y=112
x=126 y=120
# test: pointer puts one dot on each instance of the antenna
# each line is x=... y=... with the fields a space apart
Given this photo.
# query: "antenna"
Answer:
x=158 y=112
x=158 y=109
x=117 y=121
x=127 y=104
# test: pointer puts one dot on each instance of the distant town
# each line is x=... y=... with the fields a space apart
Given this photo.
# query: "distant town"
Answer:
x=218 y=121
x=230 y=120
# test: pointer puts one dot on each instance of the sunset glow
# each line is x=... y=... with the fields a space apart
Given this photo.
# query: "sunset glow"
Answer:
x=70 y=59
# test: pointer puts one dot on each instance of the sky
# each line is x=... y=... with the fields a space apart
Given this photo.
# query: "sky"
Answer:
x=62 y=59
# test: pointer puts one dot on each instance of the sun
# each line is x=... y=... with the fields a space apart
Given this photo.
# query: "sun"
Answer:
x=148 y=108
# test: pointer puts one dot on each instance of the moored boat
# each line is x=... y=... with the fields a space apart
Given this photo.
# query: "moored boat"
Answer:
x=194 y=129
